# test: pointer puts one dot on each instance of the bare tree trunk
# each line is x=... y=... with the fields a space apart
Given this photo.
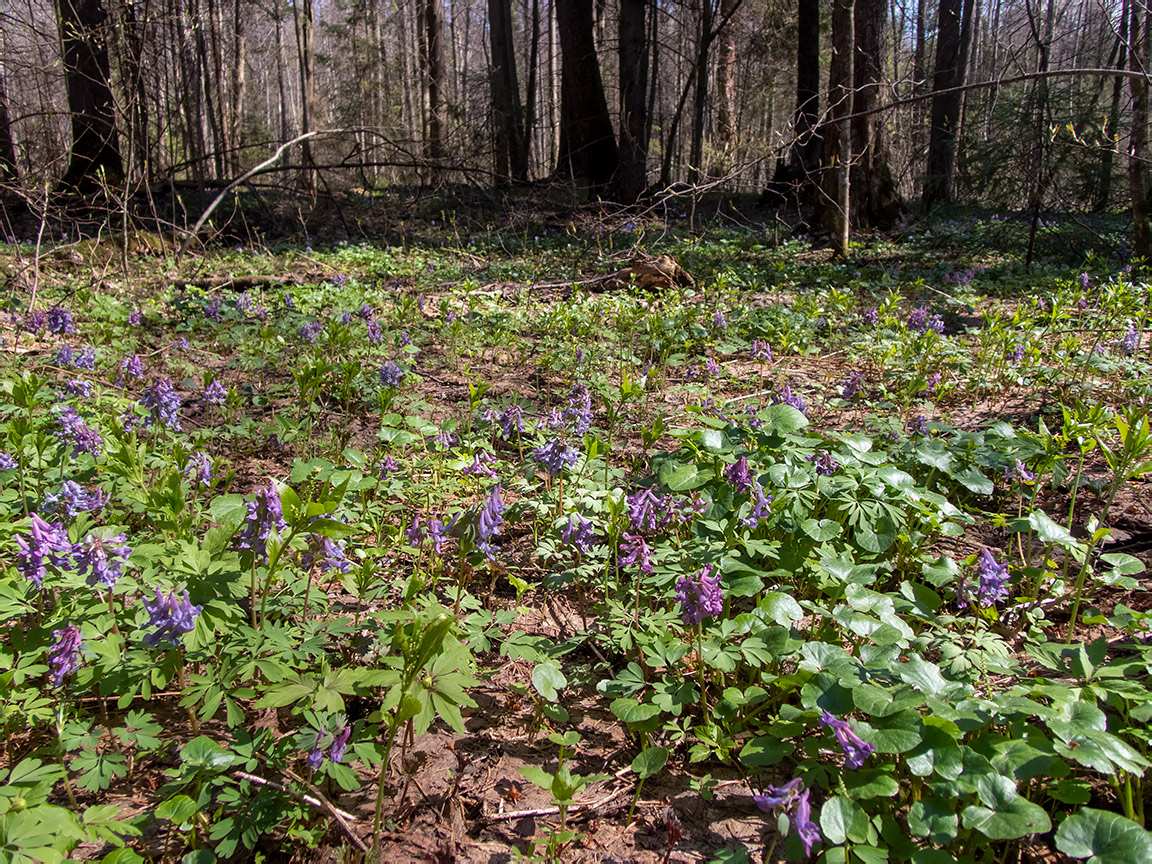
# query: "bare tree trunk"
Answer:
x=511 y=150
x=1137 y=153
x=8 y=170
x=1111 y=125
x=282 y=80
x=725 y=95
x=876 y=203
x=804 y=153
x=239 y=83
x=955 y=16
x=696 y=154
x=434 y=71
x=533 y=87
x=220 y=88
x=833 y=203
x=305 y=21
x=633 y=59
x=587 y=143
x=654 y=65
x=136 y=94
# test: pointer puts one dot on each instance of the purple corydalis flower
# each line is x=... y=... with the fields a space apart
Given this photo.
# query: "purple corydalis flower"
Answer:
x=718 y=320
x=700 y=597
x=74 y=499
x=579 y=533
x=199 y=467
x=264 y=515
x=7 y=462
x=327 y=552
x=644 y=510
x=634 y=552
x=1131 y=341
x=340 y=744
x=131 y=369
x=510 y=420
x=64 y=655
x=779 y=796
x=481 y=466
x=738 y=476
x=163 y=404
x=761 y=351
x=760 y=508
x=856 y=751
x=172 y=617
x=579 y=409
x=554 y=455
x=1018 y=473
x=86 y=359
x=991 y=582
x=345 y=318
x=851 y=386
x=388 y=466
x=33 y=322
x=49 y=541
x=102 y=559
x=784 y=396
x=390 y=374
x=488 y=522
x=366 y=313
x=918 y=425
x=405 y=339
x=135 y=318
x=921 y=321
x=73 y=429
x=310 y=330
x=445 y=439
x=1017 y=352
x=315 y=758
x=375 y=335
x=871 y=316
x=212 y=310
x=77 y=387
x=215 y=393
x=823 y=462
x=792 y=798
x=59 y=320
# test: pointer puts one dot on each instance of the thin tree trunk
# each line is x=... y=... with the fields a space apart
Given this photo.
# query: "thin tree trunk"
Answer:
x=949 y=74
x=9 y=173
x=696 y=155
x=804 y=153
x=530 y=96
x=511 y=150
x=1111 y=125
x=1137 y=168
x=220 y=88
x=587 y=142
x=434 y=70
x=876 y=203
x=304 y=19
x=239 y=83
x=725 y=95
x=282 y=80
x=834 y=202
x=633 y=60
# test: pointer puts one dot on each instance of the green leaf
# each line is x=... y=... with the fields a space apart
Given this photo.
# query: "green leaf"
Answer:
x=178 y=808
x=1005 y=814
x=763 y=751
x=1050 y=532
x=781 y=420
x=932 y=818
x=631 y=711
x=781 y=608
x=650 y=762
x=871 y=783
x=974 y=481
x=682 y=478
x=548 y=679
x=199 y=856
x=203 y=752
x=1104 y=838
x=926 y=677
x=824 y=529
x=843 y=819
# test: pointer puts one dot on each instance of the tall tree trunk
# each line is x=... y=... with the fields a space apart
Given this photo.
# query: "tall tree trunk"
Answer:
x=282 y=80
x=530 y=113
x=435 y=74
x=1111 y=125
x=8 y=170
x=239 y=83
x=955 y=15
x=804 y=149
x=876 y=203
x=633 y=57
x=220 y=88
x=511 y=150
x=208 y=71
x=700 y=102
x=725 y=94
x=305 y=28
x=587 y=143
x=833 y=204
x=95 y=154
x=1137 y=152
x=136 y=94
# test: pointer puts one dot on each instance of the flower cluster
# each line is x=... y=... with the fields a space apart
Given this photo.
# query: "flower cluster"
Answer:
x=579 y=409
x=77 y=387
x=73 y=429
x=131 y=369
x=554 y=455
x=390 y=374
x=634 y=552
x=310 y=330
x=482 y=462
x=59 y=320
x=326 y=552
x=700 y=597
x=579 y=533
x=162 y=403
x=33 y=322
x=212 y=310
x=8 y=462
x=991 y=582
x=315 y=757
x=70 y=359
x=172 y=617
x=792 y=799
x=64 y=655
x=1018 y=473
x=510 y=420
x=199 y=468
x=851 y=388
x=921 y=321
x=215 y=393
x=738 y=475
x=488 y=522
x=718 y=320
x=760 y=507
x=74 y=499
x=871 y=316
x=823 y=463
x=48 y=541
x=1131 y=341
x=856 y=751
x=784 y=396
x=761 y=351
x=101 y=559
x=265 y=515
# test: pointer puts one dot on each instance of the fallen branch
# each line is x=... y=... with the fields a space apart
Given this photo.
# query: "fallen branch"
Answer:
x=239 y=283
x=315 y=799
x=574 y=810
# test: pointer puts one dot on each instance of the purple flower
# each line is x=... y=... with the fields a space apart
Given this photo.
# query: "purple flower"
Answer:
x=33 y=322
x=215 y=393
x=759 y=508
x=823 y=463
x=856 y=751
x=871 y=316
x=1017 y=352
x=718 y=320
x=264 y=515
x=365 y=312
x=328 y=552
x=643 y=510
x=918 y=425
x=1085 y=280
x=511 y=420
x=199 y=466
x=761 y=351
x=779 y=796
x=991 y=582
x=163 y=404
x=375 y=336
x=851 y=386
x=438 y=531
x=784 y=396
x=554 y=455
x=921 y=321
x=579 y=409
x=806 y=829
x=738 y=476
x=289 y=303
x=135 y=318
x=74 y=499
x=77 y=387
x=64 y=655
x=73 y=429
x=390 y=374
x=212 y=310
x=49 y=540
x=388 y=466
x=346 y=318
x=793 y=800
x=340 y=744
x=445 y=439
x=1018 y=473
x=1131 y=341
x=482 y=461
x=310 y=330
x=711 y=369
x=579 y=533
x=181 y=344
x=7 y=462
x=171 y=616
x=59 y=320
x=101 y=558
x=415 y=533
x=315 y=758
x=634 y=552
x=68 y=358
x=405 y=340
x=131 y=369
x=701 y=597
x=488 y=522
